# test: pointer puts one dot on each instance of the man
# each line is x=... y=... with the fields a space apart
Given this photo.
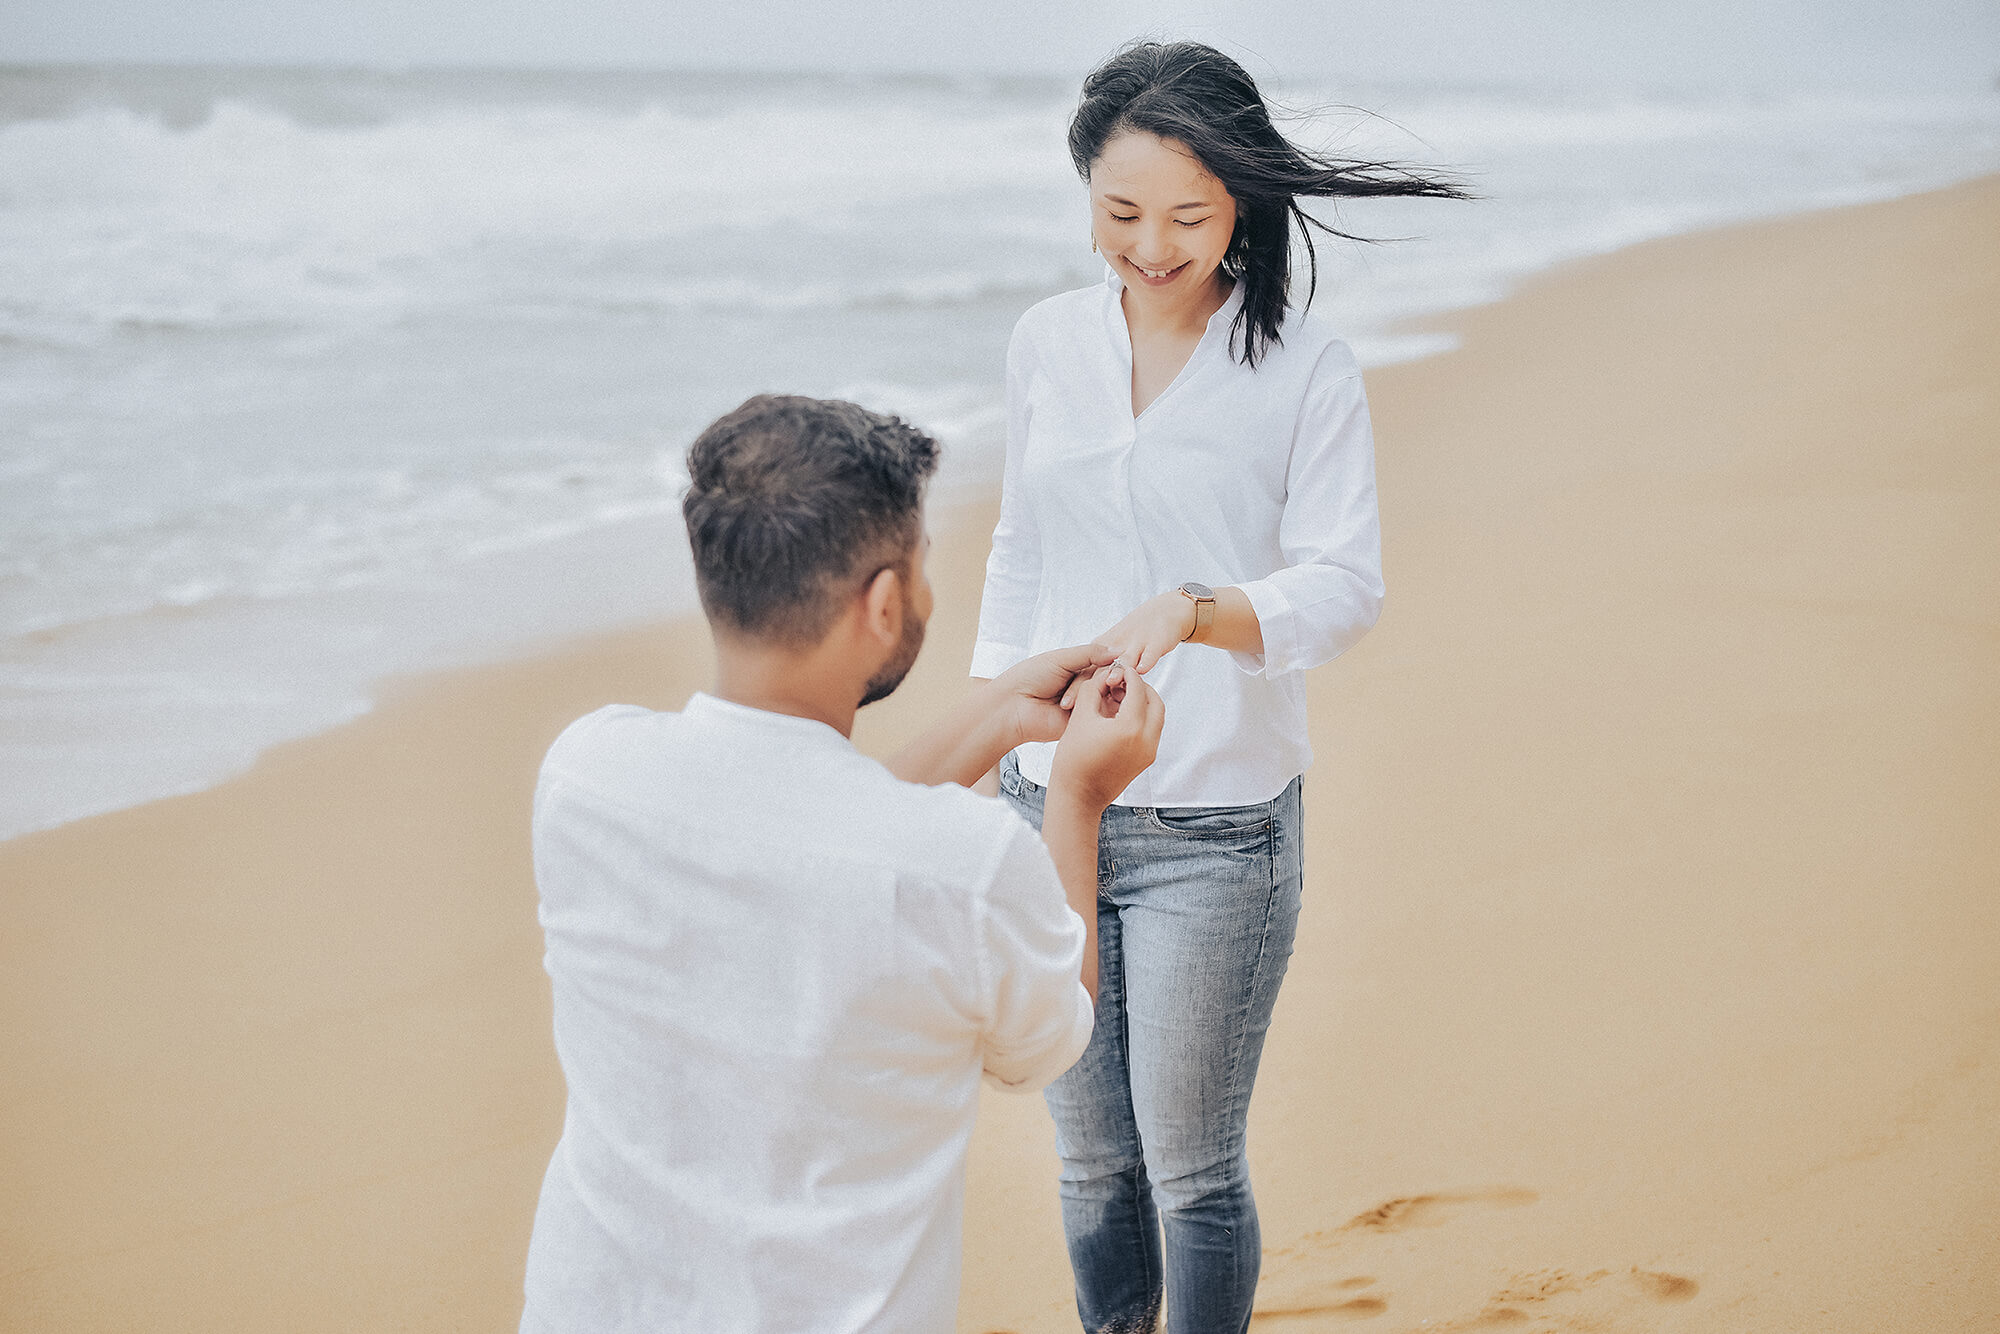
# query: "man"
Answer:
x=779 y=967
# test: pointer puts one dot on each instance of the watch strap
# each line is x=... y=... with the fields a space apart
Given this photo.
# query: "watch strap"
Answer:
x=1204 y=615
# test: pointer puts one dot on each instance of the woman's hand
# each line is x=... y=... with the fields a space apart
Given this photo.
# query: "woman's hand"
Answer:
x=1159 y=625
x=1153 y=629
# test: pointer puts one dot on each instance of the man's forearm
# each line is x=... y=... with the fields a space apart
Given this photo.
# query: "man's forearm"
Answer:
x=961 y=746
x=1070 y=830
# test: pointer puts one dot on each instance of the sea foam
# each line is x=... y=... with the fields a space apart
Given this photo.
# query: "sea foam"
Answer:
x=309 y=377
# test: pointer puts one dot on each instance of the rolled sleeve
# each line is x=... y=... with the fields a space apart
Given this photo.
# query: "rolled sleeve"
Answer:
x=1038 y=1014
x=1274 y=622
x=1014 y=569
x=1329 y=591
x=990 y=658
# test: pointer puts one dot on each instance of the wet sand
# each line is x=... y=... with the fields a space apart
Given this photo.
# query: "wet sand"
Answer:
x=1648 y=973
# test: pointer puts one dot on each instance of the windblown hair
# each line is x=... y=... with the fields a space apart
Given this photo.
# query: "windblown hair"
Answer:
x=793 y=503
x=1200 y=98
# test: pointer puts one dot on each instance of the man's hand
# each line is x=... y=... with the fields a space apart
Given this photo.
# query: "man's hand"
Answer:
x=1036 y=695
x=1113 y=734
x=1152 y=630
x=1024 y=703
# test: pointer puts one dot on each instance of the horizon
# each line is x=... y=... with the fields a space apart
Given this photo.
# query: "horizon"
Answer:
x=1946 y=46
x=1648 y=84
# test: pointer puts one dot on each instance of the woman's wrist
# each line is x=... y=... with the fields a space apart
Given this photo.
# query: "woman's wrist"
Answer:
x=1187 y=615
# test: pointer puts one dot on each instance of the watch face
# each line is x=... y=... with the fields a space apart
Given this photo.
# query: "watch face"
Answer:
x=1197 y=590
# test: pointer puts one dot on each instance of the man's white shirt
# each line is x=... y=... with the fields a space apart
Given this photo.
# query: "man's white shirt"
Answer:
x=778 y=974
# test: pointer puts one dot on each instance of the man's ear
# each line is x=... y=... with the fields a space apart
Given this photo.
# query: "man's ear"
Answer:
x=882 y=606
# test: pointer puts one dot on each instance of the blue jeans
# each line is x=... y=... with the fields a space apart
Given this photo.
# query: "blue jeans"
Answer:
x=1196 y=910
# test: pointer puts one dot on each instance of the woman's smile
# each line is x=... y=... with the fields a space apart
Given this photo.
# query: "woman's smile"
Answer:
x=1156 y=277
x=1159 y=214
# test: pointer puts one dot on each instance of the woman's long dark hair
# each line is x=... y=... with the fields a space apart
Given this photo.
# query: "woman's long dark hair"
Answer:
x=1194 y=94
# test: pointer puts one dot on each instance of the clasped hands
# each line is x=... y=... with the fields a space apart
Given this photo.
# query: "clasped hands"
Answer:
x=1046 y=696
x=1107 y=720
x=1043 y=690
x=1150 y=631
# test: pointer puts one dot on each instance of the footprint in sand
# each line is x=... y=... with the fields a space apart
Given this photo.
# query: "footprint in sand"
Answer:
x=1357 y=1308
x=1400 y=1214
x=1543 y=1284
x=1665 y=1287
x=1339 y=1308
x=1520 y=1300
x=1404 y=1212
x=1433 y=1210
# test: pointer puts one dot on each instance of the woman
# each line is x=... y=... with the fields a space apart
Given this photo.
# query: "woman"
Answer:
x=1188 y=464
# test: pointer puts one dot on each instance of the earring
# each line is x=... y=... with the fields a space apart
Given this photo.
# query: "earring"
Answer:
x=1093 y=245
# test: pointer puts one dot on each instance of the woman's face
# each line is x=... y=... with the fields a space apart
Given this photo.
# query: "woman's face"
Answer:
x=1159 y=217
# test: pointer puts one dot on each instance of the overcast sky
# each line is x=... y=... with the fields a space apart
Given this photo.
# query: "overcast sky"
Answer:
x=1948 y=44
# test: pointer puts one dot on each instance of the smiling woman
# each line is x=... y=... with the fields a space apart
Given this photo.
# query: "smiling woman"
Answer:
x=1196 y=103
x=1175 y=428
x=1160 y=245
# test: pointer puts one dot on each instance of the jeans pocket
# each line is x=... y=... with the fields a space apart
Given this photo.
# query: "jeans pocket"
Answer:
x=1015 y=784
x=1220 y=822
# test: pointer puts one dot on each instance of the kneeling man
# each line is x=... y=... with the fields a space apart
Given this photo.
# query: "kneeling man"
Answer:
x=779 y=968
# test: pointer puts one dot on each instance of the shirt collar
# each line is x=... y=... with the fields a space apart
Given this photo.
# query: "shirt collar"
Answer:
x=1113 y=285
x=711 y=710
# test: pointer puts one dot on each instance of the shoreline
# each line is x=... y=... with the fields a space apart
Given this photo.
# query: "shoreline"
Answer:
x=1646 y=971
x=353 y=695
x=350 y=693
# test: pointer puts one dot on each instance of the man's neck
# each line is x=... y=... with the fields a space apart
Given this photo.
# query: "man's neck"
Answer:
x=779 y=682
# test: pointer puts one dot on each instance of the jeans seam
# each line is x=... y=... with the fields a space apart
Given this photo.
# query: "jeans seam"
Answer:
x=1256 y=968
x=1153 y=1281
x=1239 y=1111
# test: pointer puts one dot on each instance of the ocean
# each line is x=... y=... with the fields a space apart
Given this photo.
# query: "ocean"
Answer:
x=313 y=378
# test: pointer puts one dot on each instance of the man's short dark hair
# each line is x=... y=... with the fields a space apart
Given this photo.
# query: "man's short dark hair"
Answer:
x=793 y=502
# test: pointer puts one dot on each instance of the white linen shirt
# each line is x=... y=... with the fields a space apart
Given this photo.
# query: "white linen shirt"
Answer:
x=1263 y=479
x=778 y=972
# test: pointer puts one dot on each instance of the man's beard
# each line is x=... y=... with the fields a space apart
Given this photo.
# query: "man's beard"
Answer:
x=884 y=683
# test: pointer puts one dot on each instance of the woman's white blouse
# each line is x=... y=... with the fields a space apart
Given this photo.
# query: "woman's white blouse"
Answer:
x=1263 y=479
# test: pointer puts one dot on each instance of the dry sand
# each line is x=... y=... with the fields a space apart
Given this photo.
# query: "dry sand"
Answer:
x=1650 y=976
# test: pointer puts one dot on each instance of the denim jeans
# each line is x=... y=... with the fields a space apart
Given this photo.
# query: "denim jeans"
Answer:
x=1196 y=910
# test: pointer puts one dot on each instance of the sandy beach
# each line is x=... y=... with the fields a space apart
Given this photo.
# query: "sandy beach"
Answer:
x=1648 y=973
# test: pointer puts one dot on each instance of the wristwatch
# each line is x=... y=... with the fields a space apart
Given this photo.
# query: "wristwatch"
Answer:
x=1203 y=598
